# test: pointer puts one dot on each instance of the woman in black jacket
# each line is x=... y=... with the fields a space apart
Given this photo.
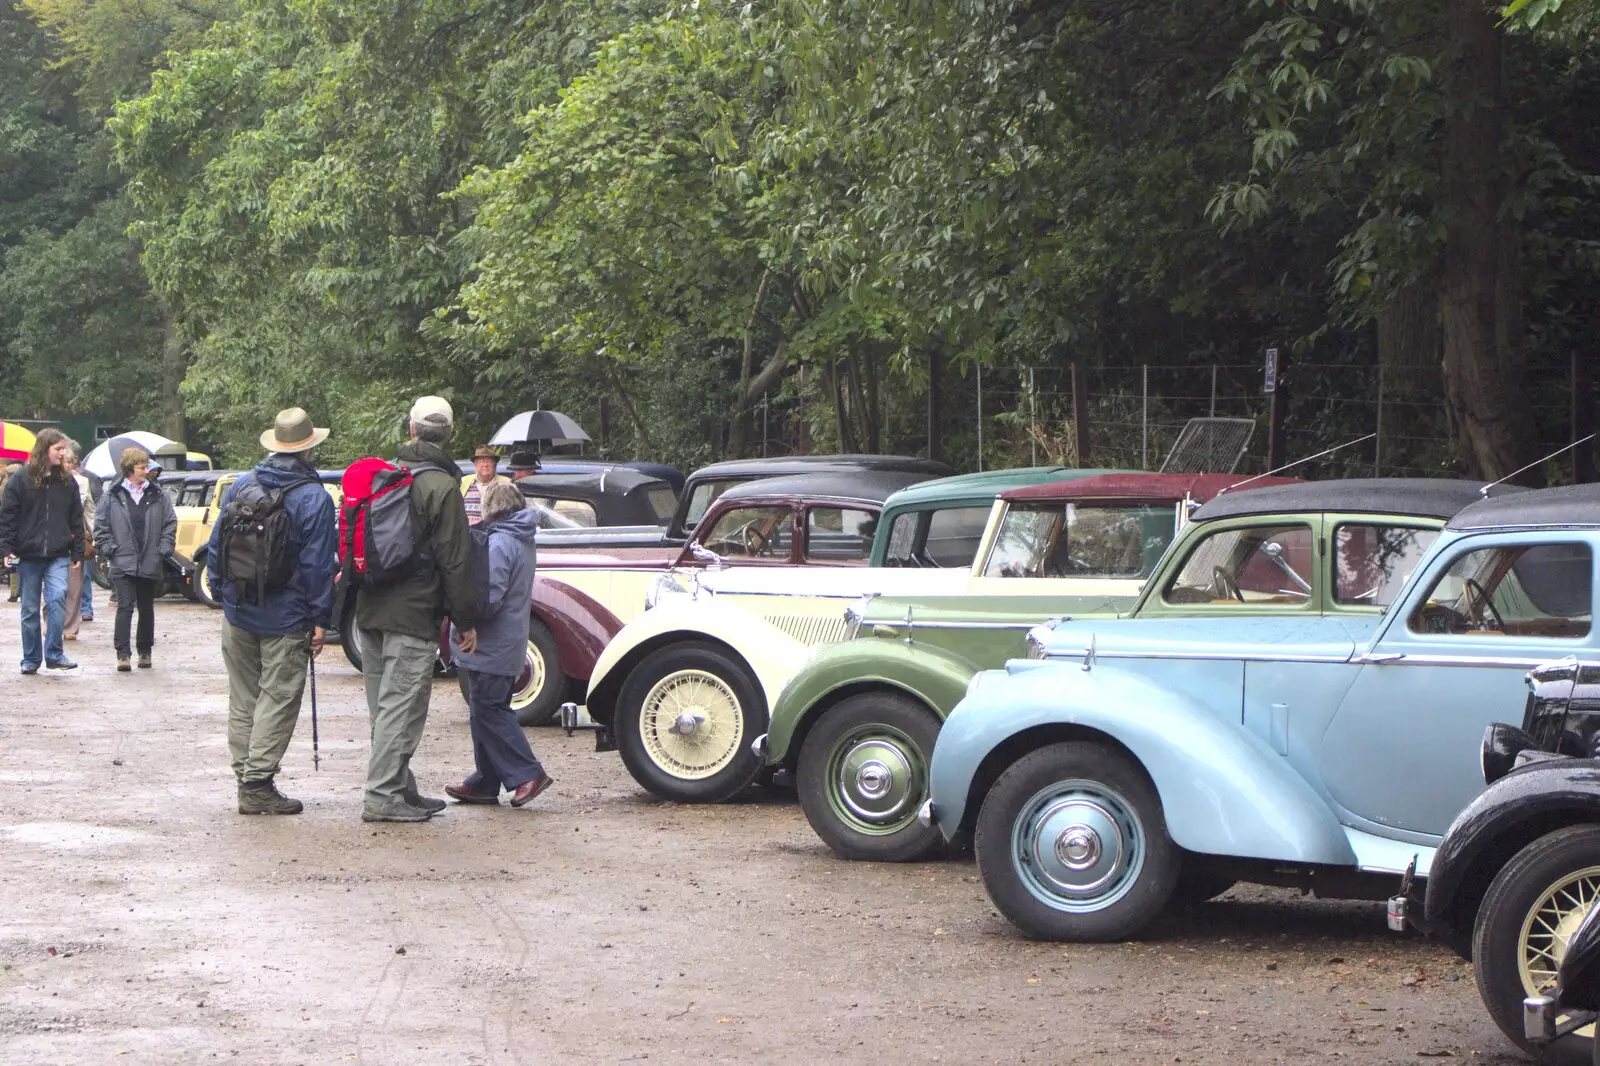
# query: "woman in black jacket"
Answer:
x=41 y=525
x=135 y=529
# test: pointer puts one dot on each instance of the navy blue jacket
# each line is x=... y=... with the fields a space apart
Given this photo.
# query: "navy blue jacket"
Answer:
x=503 y=630
x=307 y=600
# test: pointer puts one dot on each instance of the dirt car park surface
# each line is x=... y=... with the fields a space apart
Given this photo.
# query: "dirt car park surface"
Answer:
x=143 y=921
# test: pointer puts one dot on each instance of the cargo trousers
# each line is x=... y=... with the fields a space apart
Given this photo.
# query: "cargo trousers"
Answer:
x=266 y=682
x=398 y=670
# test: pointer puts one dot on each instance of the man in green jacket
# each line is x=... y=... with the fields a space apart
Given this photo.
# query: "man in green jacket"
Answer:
x=399 y=623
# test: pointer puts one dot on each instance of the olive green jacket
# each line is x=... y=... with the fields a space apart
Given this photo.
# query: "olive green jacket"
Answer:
x=417 y=605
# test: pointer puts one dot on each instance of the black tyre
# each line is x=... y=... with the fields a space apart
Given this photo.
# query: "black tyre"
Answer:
x=684 y=722
x=536 y=694
x=349 y=635
x=1072 y=844
x=1532 y=907
x=863 y=773
x=101 y=575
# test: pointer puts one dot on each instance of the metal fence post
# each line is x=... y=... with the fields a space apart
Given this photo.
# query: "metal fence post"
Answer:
x=1080 y=414
x=1144 y=417
x=1213 y=411
x=980 y=417
x=1377 y=447
x=1583 y=420
x=1033 y=421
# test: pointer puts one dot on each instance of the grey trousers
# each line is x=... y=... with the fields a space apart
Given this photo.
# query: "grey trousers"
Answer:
x=398 y=670
x=266 y=680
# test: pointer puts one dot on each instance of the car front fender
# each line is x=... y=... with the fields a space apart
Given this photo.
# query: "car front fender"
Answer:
x=932 y=676
x=1504 y=818
x=771 y=654
x=1223 y=790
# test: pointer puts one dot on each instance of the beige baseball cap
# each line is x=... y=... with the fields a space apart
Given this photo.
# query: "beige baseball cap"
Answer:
x=432 y=409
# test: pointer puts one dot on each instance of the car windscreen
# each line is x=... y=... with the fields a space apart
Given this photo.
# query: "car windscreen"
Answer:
x=752 y=532
x=703 y=495
x=943 y=537
x=1054 y=539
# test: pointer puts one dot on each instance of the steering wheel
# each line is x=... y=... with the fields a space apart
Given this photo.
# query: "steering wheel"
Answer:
x=752 y=538
x=1484 y=604
x=1224 y=585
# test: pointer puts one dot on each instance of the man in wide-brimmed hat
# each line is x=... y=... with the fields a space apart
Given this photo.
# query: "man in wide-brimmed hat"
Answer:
x=473 y=486
x=270 y=631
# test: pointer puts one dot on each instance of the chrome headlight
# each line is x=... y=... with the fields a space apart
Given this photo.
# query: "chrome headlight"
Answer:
x=667 y=583
x=854 y=614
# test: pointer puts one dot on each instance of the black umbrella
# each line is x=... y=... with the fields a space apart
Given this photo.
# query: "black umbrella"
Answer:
x=542 y=427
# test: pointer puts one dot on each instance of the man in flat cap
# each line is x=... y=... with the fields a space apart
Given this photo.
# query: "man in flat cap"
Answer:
x=270 y=631
x=398 y=623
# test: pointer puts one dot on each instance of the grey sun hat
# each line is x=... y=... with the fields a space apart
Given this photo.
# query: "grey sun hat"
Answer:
x=292 y=431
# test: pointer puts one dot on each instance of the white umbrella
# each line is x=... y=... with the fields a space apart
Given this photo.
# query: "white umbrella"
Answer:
x=544 y=427
x=102 y=461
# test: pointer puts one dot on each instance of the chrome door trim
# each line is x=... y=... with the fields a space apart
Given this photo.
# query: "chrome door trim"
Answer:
x=1248 y=657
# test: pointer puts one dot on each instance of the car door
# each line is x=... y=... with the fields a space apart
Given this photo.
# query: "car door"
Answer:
x=1401 y=755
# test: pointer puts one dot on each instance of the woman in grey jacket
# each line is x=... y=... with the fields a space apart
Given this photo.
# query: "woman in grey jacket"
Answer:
x=135 y=529
x=500 y=749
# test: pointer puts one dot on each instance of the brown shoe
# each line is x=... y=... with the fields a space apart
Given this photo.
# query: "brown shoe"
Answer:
x=462 y=794
x=124 y=666
x=529 y=789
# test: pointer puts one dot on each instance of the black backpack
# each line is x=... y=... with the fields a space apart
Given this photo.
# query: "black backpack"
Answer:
x=480 y=565
x=253 y=547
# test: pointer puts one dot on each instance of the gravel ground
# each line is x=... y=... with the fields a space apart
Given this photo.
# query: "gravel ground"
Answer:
x=143 y=920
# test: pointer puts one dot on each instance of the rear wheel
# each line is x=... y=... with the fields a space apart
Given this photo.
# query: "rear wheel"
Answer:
x=349 y=635
x=684 y=721
x=536 y=694
x=862 y=774
x=1532 y=908
x=1072 y=844
x=200 y=585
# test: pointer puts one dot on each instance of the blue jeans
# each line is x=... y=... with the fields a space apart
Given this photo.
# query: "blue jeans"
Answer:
x=87 y=608
x=500 y=752
x=48 y=576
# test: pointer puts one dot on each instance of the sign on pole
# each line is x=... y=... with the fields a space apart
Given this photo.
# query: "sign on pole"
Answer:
x=1270 y=383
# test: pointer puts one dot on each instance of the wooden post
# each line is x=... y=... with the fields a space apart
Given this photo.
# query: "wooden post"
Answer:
x=1583 y=419
x=1080 y=413
x=935 y=428
x=1275 y=415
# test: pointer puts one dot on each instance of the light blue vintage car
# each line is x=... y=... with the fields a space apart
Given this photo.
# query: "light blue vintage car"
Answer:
x=1128 y=765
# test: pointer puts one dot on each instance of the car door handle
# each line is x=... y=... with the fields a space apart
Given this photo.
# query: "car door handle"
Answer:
x=1381 y=658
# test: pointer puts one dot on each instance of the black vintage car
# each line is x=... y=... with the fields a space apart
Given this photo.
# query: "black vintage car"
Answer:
x=1518 y=872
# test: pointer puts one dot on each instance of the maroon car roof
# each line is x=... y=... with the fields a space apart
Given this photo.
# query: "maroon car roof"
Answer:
x=1199 y=487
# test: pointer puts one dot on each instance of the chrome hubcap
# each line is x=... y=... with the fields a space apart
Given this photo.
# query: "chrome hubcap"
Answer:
x=1078 y=846
x=877 y=780
x=687 y=722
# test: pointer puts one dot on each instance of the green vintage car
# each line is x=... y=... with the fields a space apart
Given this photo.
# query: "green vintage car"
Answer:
x=856 y=724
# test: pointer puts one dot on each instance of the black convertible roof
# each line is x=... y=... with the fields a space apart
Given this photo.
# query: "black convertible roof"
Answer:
x=860 y=486
x=1567 y=505
x=617 y=480
x=1414 y=496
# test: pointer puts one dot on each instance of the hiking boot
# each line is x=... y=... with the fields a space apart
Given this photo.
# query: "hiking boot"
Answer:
x=395 y=811
x=263 y=797
x=427 y=803
x=529 y=789
x=144 y=660
x=61 y=664
x=29 y=669
x=124 y=666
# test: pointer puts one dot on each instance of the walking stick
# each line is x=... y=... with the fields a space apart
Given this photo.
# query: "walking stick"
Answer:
x=316 y=750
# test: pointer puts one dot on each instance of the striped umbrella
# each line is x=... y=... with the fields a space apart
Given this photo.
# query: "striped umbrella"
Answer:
x=15 y=442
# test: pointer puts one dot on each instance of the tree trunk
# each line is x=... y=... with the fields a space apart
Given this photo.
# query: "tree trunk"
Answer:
x=1480 y=292
x=174 y=367
x=739 y=432
x=1409 y=352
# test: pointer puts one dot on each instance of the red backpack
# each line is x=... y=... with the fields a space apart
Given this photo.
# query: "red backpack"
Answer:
x=380 y=541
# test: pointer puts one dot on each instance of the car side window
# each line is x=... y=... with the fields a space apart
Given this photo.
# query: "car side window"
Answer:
x=752 y=532
x=839 y=534
x=1541 y=590
x=557 y=513
x=945 y=537
x=1372 y=563
x=193 y=496
x=1248 y=565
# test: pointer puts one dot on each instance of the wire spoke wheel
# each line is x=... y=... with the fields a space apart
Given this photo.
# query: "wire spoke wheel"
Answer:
x=1550 y=923
x=692 y=724
x=532 y=679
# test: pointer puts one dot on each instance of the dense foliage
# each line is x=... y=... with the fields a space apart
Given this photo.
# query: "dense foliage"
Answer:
x=708 y=228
